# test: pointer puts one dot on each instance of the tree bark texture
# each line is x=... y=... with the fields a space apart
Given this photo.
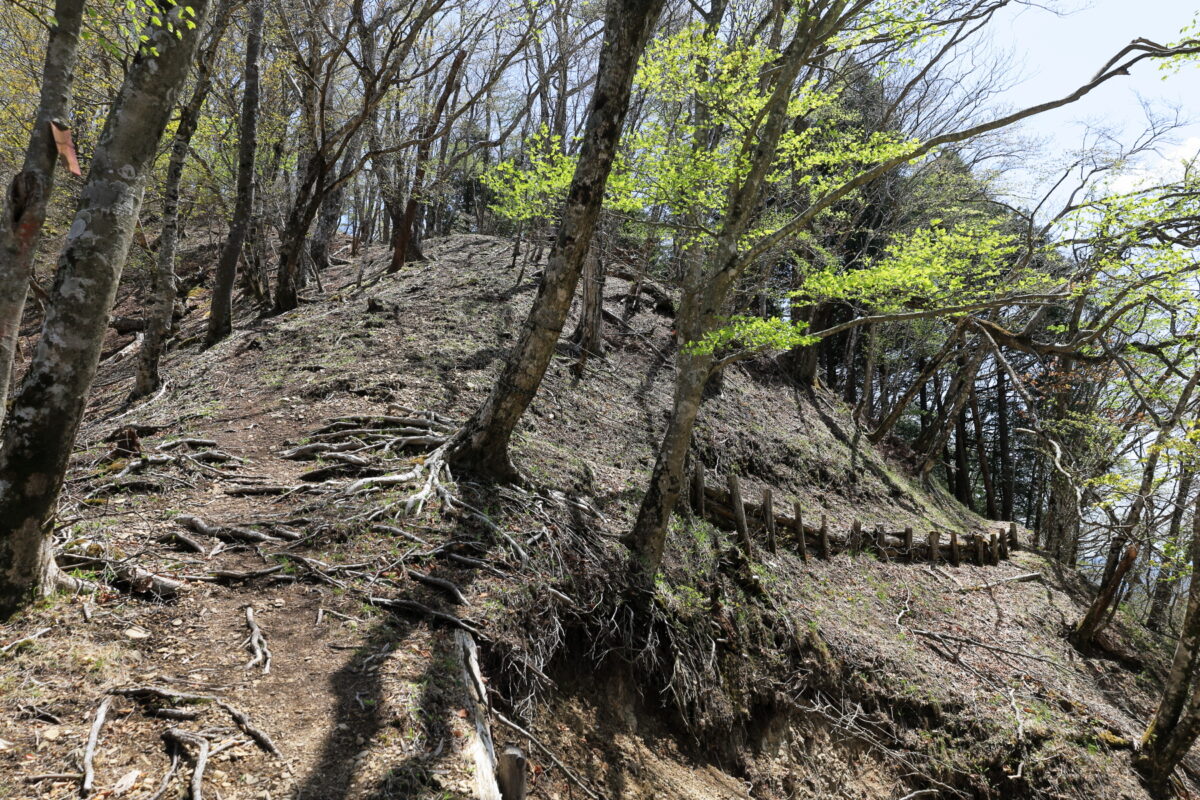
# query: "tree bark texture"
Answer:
x=483 y=442
x=39 y=434
x=28 y=196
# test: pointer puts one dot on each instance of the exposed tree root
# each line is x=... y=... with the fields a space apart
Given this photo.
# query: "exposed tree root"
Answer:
x=256 y=643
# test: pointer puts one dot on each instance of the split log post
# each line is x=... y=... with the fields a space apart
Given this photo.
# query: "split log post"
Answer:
x=511 y=774
x=824 y=537
x=980 y=555
x=955 y=555
x=934 y=546
x=768 y=512
x=801 y=545
x=995 y=549
x=908 y=542
x=739 y=515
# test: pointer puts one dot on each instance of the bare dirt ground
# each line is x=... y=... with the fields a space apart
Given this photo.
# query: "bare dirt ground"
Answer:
x=895 y=678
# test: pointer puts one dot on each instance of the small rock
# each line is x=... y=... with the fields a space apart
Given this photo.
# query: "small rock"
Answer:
x=52 y=733
x=137 y=633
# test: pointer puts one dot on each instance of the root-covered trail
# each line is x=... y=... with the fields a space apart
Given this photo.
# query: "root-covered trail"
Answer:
x=263 y=496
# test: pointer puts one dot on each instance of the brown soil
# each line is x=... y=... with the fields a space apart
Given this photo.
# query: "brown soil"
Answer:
x=823 y=687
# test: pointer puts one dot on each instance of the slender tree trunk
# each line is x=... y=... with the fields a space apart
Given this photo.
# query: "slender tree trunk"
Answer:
x=220 y=317
x=24 y=208
x=406 y=245
x=482 y=444
x=1004 y=454
x=1167 y=578
x=1176 y=723
x=985 y=469
x=589 y=333
x=162 y=309
x=38 y=437
x=962 y=486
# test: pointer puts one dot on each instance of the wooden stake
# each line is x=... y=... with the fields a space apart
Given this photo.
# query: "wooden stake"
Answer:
x=1003 y=539
x=908 y=542
x=824 y=536
x=511 y=774
x=881 y=542
x=955 y=555
x=698 y=489
x=855 y=543
x=995 y=549
x=739 y=515
x=1013 y=541
x=934 y=546
x=980 y=555
x=768 y=512
x=801 y=545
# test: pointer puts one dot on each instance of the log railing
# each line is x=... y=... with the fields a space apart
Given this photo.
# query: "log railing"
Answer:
x=726 y=508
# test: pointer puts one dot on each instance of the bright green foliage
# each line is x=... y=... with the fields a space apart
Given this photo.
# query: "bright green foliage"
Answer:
x=533 y=191
x=939 y=265
x=745 y=335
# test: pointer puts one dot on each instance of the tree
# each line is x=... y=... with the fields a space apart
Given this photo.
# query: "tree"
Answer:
x=482 y=443
x=220 y=321
x=38 y=436
x=1176 y=723
x=24 y=210
x=162 y=311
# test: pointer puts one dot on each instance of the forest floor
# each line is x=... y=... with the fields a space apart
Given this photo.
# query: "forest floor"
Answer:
x=849 y=678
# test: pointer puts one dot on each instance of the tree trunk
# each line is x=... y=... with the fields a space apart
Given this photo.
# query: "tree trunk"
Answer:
x=1168 y=574
x=39 y=435
x=162 y=308
x=24 y=210
x=482 y=444
x=1002 y=445
x=985 y=468
x=220 y=317
x=1173 y=731
x=406 y=245
x=589 y=333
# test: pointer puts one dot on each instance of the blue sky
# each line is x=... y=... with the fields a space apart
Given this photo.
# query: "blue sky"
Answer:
x=1054 y=54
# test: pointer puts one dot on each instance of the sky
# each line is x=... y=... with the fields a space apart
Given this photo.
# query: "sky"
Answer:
x=1054 y=54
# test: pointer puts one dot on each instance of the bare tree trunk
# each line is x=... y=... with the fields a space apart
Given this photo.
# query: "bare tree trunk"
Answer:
x=24 y=209
x=985 y=468
x=406 y=246
x=220 y=317
x=483 y=442
x=1168 y=574
x=589 y=333
x=162 y=309
x=38 y=437
x=1173 y=731
x=1004 y=453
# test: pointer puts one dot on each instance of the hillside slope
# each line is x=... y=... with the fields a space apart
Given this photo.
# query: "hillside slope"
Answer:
x=852 y=677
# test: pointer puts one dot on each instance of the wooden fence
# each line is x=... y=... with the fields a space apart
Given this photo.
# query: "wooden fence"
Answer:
x=726 y=508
